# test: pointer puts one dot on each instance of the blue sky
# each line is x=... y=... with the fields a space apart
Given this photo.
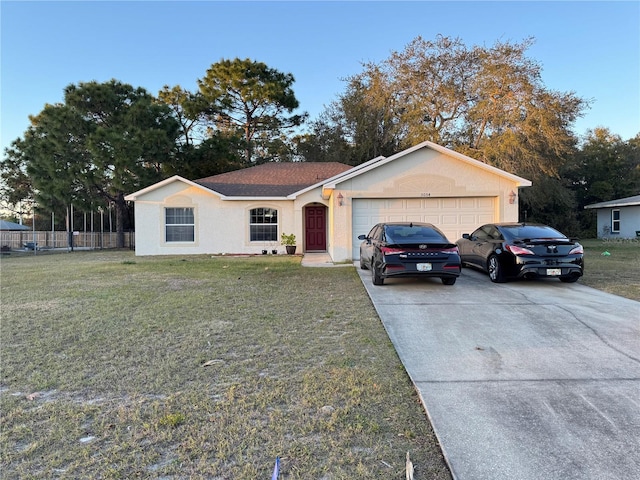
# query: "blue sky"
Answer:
x=590 y=48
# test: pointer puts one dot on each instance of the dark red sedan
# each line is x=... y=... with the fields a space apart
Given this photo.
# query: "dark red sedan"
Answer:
x=409 y=249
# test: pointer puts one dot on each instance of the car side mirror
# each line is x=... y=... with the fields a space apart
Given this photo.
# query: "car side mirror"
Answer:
x=362 y=237
x=466 y=236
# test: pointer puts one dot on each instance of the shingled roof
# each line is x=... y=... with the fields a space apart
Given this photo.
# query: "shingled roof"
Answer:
x=272 y=179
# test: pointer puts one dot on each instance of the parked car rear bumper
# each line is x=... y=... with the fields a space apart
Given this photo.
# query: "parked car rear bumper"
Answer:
x=549 y=267
x=448 y=270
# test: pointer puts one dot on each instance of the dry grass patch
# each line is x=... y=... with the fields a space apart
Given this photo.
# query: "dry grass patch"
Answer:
x=121 y=367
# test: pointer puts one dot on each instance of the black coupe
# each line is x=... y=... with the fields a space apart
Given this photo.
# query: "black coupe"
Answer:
x=517 y=250
x=409 y=249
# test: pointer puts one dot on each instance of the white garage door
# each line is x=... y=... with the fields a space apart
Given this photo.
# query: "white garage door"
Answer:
x=454 y=216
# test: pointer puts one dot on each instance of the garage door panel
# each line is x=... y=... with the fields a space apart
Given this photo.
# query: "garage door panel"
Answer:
x=361 y=220
x=482 y=219
x=396 y=204
x=485 y=202
x=453 y=215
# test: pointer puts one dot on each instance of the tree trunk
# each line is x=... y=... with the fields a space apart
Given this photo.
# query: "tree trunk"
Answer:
x=247 y=139
x=121 y=213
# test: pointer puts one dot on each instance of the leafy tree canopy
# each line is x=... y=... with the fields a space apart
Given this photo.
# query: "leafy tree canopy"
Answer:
x=605 y=167
x=105 y=140
x=250 y=100
x=488 y=102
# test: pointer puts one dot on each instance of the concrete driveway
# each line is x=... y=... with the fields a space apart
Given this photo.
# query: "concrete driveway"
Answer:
x=526 y=380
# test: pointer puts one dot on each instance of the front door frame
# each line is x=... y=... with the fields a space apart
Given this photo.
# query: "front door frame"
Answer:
x=324 y=228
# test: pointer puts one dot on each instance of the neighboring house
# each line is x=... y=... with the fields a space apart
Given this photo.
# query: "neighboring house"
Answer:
x=618 y=218
x=10 y=226
x=326 y=205
x=6 y=237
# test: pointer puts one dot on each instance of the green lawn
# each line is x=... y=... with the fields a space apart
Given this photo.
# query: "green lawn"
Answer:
x=613 y=266
x=115 y=366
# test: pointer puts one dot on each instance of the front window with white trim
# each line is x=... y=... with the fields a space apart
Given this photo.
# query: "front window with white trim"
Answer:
x=615 y=221
x=179 y=224
x=263 y=225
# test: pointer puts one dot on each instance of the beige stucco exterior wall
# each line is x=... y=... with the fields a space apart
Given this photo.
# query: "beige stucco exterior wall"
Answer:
x=422 y=173
x=220 y=226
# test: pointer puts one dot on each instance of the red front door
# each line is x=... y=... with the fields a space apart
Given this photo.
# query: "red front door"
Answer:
x=315 y=220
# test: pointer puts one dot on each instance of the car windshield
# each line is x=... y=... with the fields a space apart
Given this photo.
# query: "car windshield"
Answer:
x=412 y=234
x=531 y=231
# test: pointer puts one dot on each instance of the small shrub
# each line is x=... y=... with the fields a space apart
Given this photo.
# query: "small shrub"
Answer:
x=172 y=420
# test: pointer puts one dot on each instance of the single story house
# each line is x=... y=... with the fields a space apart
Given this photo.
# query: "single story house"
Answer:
x=618 y=218
x=326 y=205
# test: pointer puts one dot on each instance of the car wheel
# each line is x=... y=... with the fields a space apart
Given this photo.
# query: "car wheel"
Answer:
x=376 y=276
x=363 y=266
x=495 y=269
x=571 y=279
x=449 y=280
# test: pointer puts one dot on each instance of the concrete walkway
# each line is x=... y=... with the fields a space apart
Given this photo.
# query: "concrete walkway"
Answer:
x=321 y=259
x=525 y=380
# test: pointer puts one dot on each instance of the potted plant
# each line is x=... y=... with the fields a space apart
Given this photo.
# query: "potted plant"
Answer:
x=289 y=241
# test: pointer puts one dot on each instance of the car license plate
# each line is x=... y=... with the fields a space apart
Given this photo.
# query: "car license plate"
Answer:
x=423 y=267
x=554 y=271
